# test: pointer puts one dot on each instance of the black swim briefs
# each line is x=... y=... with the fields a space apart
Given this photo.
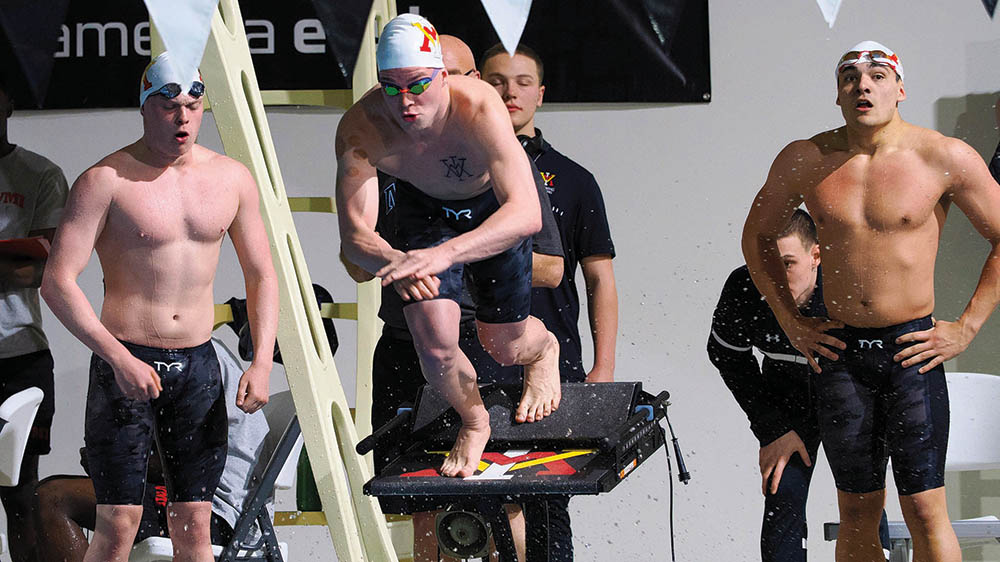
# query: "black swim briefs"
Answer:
x=188 y=421
x=871 y=409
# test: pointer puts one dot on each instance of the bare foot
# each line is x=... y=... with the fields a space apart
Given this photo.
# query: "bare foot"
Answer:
x=463 y=460
x=542 y=392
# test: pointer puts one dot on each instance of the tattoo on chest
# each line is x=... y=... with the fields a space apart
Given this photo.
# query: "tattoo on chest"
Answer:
x=454 y=167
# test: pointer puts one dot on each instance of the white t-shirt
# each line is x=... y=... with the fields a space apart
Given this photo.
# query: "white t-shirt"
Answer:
x=33 y=193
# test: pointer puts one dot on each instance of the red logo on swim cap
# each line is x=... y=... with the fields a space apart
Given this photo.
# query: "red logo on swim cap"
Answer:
x=430 y=34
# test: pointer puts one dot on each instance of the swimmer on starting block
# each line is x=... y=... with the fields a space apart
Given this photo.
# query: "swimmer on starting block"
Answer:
x=879 y=190
x=465 y=199
x=156 y=211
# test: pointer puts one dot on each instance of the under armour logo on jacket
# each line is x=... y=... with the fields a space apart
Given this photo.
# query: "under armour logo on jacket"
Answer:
x=769 y=337
x=467 y=213
x=868 y=344
x=168 y=366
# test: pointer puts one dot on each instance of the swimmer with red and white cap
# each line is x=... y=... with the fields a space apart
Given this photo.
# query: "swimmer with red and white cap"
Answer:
x=879 y=190
x=465 y=200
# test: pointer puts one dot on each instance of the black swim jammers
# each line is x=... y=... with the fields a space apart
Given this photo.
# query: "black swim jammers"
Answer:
x=500 y=285
x=871 y=408
x=188 y=421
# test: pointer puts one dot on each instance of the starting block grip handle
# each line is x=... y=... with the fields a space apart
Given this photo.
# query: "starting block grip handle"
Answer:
x=646 y=409
x=368 y=443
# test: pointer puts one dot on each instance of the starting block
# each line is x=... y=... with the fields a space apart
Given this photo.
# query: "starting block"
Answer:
x=597 y=437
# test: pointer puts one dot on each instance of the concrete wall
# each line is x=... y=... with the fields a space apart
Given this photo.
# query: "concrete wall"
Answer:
x=678 y=180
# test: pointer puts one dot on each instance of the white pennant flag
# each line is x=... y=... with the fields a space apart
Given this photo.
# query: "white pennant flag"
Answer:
x=184 y=26
x=508 y=18
x=829 y=9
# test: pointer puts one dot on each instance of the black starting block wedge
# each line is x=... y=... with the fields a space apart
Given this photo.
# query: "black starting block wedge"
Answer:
x=597 y=437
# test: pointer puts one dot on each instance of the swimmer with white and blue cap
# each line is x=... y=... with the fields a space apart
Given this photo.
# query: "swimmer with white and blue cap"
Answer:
x=465 y=198
x=160 y=77
x=157 y=212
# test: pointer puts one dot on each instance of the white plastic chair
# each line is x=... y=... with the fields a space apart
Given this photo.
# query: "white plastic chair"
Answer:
x=17 y=413
x=279 y=412
x=973 y=444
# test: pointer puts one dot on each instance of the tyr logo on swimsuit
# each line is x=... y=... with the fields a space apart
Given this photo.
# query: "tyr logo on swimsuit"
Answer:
x=467 y=213
x=168 y=366
x=868 y=344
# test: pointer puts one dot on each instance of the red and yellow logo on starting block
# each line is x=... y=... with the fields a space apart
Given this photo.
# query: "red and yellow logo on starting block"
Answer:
x=500 y=466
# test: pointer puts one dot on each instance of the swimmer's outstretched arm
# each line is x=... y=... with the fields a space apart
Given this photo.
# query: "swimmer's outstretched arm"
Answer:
x=774 y=204
x=253 y=250
x=487 y=123
x=977 y=194
x=357 y=208
x=82 y=222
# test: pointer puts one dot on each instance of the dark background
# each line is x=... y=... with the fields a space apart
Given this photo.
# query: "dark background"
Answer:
x=591 y=48
x=594 y=51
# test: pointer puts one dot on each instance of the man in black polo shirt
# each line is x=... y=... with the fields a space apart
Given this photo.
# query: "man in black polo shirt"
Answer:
x=995 y=162
x=583 y=226
x=578 y=206
x=778 y=398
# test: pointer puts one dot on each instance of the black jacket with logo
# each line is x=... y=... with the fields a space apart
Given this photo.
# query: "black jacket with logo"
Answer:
x=579 y=211
x=777 y=397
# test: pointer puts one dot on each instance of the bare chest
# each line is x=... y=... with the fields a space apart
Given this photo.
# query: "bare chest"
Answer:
x=887 y=194
x=447 y=170
x=159 y=213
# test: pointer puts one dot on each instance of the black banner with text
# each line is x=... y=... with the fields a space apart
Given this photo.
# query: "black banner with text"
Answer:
x=594 y=50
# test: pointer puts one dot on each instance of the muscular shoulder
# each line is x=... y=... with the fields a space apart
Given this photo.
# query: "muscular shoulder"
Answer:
x=108 y=172
x=223 y=169
x=802 y=162
x=943 y=151
x=471 y=96
x=363 y=125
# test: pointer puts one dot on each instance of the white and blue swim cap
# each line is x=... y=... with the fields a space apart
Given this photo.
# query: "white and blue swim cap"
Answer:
x=409 y=40
x=161 y=78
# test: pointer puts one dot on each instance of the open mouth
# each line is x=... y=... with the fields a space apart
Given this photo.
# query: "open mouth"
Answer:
x=863 y=104
x=181 y=136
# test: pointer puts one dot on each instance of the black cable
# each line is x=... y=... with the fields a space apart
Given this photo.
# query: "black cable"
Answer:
x=670 y=480
x=682 y=475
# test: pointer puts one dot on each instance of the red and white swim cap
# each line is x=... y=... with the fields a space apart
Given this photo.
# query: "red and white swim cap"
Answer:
x=409 y=40
x=871 y=52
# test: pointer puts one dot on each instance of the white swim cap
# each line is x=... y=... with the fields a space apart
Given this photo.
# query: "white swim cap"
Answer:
x=409 y=40
x=160 y=74
x=871 y=52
